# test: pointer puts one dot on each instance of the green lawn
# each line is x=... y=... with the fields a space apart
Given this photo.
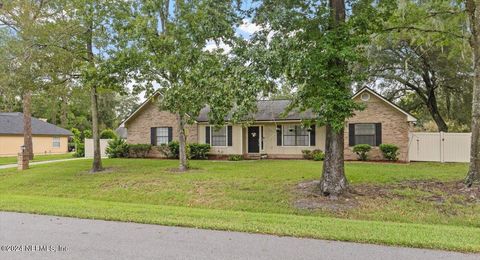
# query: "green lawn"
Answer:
x=37 y=158
x=258 y=196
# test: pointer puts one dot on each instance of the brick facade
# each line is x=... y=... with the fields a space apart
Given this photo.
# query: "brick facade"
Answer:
x=149 y=116
x=395 y=127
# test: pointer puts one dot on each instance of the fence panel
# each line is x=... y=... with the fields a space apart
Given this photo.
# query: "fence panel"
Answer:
x=439 y=147
x=89 y=147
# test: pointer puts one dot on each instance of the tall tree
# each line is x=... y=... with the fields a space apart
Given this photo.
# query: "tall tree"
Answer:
x=168 y=45
x=473 y=12
x=312 y=48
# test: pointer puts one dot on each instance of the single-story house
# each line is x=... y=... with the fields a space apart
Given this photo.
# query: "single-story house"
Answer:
x=273 y=134
x=47 y=138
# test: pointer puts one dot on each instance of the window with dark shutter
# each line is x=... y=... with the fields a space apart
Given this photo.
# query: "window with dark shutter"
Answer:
x=378 y=133
x=279 y=135
x=153 y=136
x=207 y=135
x=351 y=134
x=365 y=133
x=229 y=135
x=312 y=135
x=170 y=134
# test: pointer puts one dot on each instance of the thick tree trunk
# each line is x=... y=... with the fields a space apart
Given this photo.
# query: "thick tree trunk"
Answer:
x=97 y=159
x=435 y=113
x=333 y=181
x=182 y=141
x=27 y=124
x=473 y=10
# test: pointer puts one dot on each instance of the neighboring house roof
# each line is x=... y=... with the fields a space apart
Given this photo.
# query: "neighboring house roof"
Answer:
x=268 y=110
x=272 y=110
x=12 y=124
x=410 y=118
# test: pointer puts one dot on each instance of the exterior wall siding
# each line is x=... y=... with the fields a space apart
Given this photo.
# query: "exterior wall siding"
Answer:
x=395 y=127
x=139 y=126
x=10 y=145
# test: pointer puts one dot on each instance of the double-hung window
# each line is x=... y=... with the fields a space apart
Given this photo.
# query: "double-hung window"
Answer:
x=365 y=134
x=295 y=135
x=219 y=136
x=162 y=135
x=56 y=142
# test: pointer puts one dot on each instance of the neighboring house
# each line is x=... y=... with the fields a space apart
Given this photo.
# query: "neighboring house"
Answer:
x=47 y=138
x=276 y=135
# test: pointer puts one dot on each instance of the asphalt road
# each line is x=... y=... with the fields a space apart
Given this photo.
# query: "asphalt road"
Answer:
x=49 y=237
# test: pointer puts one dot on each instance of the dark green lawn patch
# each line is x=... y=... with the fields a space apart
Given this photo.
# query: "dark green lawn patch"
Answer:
x=424 y=200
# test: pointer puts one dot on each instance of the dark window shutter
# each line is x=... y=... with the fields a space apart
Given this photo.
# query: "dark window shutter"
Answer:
x=312 y=135
x=279 y=135
x=153 y=136
x=229 y=135
x=207 y=135
x=378 y=134
x=351 y=134
x=170 y=134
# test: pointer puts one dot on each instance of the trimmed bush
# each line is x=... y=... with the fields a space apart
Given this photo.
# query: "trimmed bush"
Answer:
x=199 y=151
x=235 y=157
x=117 y=148
x=307 y=154
x=362 y=151
x=139 y=150
x=389 y=151
x=318 y=155
x=108 y=134
x=79 y=150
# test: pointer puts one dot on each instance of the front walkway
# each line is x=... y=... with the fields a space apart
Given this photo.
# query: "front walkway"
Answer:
x=49 y=237
x=7 y=166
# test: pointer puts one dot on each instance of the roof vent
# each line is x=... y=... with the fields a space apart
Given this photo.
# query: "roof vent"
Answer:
x=365 y=96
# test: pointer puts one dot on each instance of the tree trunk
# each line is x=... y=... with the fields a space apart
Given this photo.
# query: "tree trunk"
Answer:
x=473 y=11
x=63 y=113
x=27 y=124
x=435 y=113
x=333 y=181
x=182 y=153
x=97 y=159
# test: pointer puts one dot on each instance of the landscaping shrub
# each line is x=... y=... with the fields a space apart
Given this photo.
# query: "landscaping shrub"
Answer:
x=117 y=148
x=389 y=151
x=235 y=157
x=108 y=134
x=173 y=150
x=199 y=151
x=139 y=150
x=79 y=150
x=318 y=155
x=362 y=151
x=307 y=154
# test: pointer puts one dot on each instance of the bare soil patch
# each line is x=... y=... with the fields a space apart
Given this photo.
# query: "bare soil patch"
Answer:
x=309 y=196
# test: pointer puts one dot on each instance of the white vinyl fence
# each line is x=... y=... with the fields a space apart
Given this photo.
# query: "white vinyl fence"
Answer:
x=89 y=147
x=439 y=147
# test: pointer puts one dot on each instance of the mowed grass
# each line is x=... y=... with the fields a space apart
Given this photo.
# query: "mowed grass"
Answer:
x=252 y=196
x=37 y=158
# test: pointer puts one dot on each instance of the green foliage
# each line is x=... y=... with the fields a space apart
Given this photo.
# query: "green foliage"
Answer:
x=389 y=151
x=108 y=134
x=139 y=150
x=87 y=134
x=318 y=155
x=362 y=151
x=307 y=154
x=235 y=157
x=79 y=150
x=199 y=151
x=117 y=148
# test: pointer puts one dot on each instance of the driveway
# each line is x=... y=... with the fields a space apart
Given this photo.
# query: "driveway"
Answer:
x=49 y=237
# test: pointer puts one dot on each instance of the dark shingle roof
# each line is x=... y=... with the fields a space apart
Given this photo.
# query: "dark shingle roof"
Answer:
x=267 y=110
x=12 y=123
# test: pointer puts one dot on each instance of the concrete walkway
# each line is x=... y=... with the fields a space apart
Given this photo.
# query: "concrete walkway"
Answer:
x=7 y=166
x=48 y=237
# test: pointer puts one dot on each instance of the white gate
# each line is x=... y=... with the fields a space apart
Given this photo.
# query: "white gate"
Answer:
x=439 y=147
x=89 y=147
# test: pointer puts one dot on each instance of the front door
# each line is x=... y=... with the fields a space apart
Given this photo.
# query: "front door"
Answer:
x=253 y=139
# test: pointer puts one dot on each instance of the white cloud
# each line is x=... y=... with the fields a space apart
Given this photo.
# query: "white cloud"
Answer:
x=212 y=45
x=248 y=27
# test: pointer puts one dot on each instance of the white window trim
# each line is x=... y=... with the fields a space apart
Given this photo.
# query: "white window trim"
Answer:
x=226 y=136
x=283 y=132
x=53 y=142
